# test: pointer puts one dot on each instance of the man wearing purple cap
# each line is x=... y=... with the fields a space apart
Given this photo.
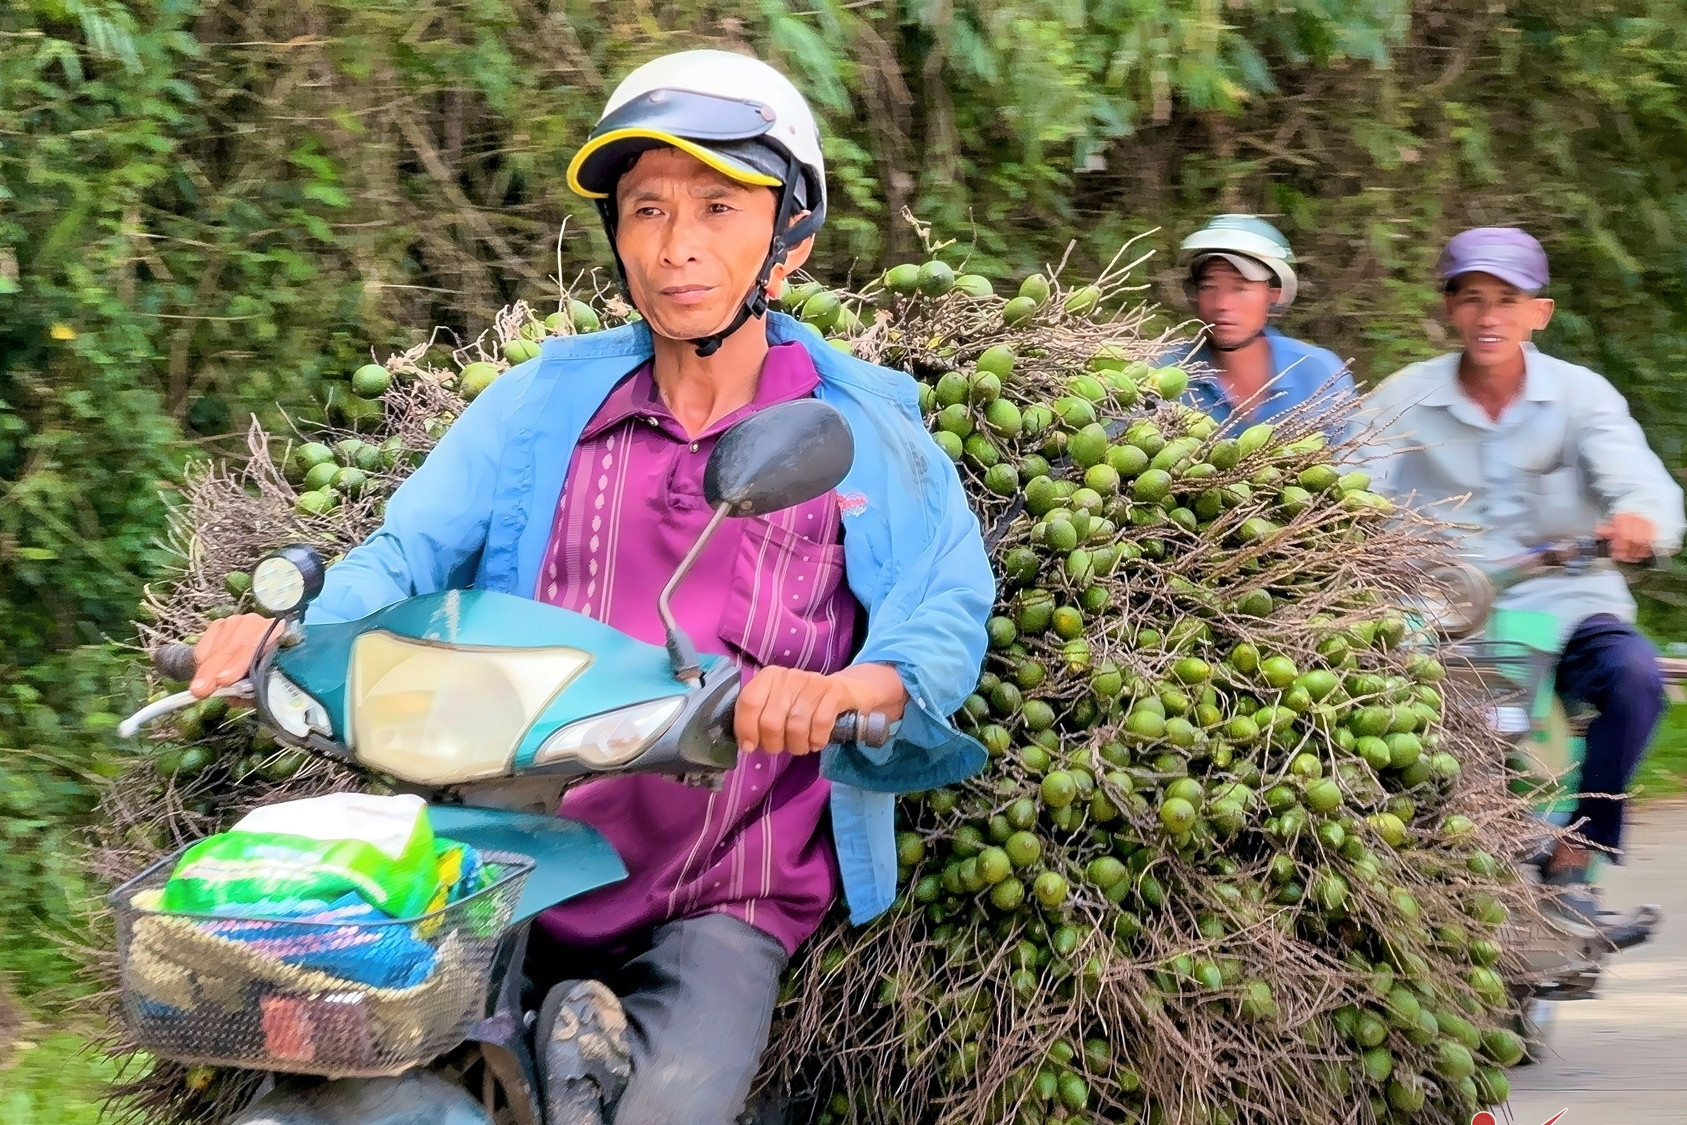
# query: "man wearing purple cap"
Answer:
x=1530 y=449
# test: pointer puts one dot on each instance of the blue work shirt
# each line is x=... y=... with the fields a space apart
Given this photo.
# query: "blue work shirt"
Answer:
x=478 y=513
x=1300 y=373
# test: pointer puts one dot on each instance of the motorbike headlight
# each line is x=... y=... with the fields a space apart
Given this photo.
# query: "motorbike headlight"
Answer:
x=1454 y=599
x=613 y=738
x=439 y=715
x=293 y=710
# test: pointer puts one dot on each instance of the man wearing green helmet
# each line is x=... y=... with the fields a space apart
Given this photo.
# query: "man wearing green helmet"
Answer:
x=1239 y=275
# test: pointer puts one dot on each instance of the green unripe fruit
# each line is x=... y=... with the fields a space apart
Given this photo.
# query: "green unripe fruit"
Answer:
x=475 y=378
x=974 y=285
x=977 y=449
x=350 y=480
x=1254 y=438
x=321 y=476
x=1406 y=1092
x=1502 y=1046
x=994 y=865
x=1452 y=1061
x=1082 y=302
x=1035 y=289
x=956 y=419
x=1145 y=723
x=998 y=361
x=1152 y=486
x=903 y=280
x=1037 y=715
x=316 y=503
x=1050 y=889
x=1018 y=311
x=910 y=848
x=518 y=350
x=1278 y=671
x=1003 y=418
x=1403 y=749
x=1001 y=479
x=1105 y=871
x=1088 y=446
x=1170 y=382
x=1024 y=849
x=1492 y=1086
x=1323 y=796
x=1007 y=895
x=1059 y=789
x=1177 y=815
x=373 y=380
x=1191 y=670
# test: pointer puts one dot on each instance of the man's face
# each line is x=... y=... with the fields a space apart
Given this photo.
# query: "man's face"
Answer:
x=692 y=241
x=1236 y=308
x=1494 y=318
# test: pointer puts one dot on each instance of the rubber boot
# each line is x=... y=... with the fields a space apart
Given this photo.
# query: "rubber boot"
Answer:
x=581 y=1041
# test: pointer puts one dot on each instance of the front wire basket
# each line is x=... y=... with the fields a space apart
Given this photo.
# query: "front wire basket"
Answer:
x=339 y=999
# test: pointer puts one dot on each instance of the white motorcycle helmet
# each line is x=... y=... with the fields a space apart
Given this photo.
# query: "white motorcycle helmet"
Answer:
x=734 y=113
x=1257 y=249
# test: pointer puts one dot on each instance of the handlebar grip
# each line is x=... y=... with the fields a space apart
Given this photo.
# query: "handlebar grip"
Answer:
x=871 y=729
x=175 y=661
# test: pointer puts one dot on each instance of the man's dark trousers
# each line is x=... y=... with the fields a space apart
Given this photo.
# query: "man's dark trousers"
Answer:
x=1609 y=665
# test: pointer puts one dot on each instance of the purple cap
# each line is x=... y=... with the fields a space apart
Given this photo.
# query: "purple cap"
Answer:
x=1510 y=254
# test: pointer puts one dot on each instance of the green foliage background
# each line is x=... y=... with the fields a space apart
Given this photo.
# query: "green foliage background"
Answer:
x=204 y=204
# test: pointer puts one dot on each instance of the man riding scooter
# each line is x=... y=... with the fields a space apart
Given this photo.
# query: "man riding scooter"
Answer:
x=1544 y=450
x=1240 y=277
x=577 y=479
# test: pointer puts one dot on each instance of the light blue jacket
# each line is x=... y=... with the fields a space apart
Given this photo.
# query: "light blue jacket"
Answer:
x=478 y=512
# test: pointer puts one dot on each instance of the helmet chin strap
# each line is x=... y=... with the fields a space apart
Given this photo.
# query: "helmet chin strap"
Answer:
x=786 y=234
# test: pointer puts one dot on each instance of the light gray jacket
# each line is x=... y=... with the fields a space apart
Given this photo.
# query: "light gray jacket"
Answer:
x=1562 y=459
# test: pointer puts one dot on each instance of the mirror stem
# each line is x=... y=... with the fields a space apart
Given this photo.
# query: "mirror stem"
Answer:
x=682 y=653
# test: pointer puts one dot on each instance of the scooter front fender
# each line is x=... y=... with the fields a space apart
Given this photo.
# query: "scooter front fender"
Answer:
x=417 y=1098
x=569 y=858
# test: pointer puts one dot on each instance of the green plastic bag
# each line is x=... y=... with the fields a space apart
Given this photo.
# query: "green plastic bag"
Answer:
x=314 y=851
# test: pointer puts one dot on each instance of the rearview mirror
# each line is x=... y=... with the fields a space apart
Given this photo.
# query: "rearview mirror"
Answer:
x=778 y=458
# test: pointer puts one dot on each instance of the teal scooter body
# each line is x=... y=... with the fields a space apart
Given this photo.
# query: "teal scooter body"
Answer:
x=1554 y=748
x=618 y=671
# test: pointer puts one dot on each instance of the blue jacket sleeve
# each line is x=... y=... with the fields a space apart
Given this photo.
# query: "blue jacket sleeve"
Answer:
x=930 y=626
x=435 y=522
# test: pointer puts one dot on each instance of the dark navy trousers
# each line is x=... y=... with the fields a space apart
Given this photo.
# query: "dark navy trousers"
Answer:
x=1612 y=667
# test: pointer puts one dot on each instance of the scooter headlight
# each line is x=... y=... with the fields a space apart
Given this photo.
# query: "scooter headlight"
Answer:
x=442 y=715
x=611 y=739
x=293 y=710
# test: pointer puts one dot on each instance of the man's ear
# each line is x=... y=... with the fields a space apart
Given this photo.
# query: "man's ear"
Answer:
x=1544 y=307
x=795 y=258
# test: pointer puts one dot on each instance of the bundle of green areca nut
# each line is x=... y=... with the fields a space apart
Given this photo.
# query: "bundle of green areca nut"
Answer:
x=1238 y=854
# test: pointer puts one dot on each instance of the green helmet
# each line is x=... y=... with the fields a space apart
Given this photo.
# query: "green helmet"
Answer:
x=1252 y=245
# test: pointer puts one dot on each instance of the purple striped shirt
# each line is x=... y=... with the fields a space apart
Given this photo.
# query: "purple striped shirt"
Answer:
x=765 y=591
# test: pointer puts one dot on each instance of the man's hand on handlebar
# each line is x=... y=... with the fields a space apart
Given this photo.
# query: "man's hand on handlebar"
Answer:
x=783 y=709
x=1630 y=536
x=224 y=653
